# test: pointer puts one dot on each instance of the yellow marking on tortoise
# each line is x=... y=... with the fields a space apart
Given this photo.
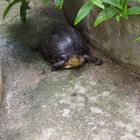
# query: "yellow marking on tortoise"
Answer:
x=75 y=61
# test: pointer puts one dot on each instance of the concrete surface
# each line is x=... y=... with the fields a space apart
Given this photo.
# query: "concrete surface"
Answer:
x=89 y=103
x=1 y=84
x=115 y=39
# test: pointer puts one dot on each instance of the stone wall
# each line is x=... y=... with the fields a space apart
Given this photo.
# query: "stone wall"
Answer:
x=115 y=39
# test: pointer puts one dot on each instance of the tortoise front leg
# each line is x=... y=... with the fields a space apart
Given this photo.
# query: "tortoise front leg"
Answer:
x=93 y=59
x=58 y=65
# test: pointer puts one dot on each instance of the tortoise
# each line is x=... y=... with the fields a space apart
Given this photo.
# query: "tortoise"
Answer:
x=63 y=47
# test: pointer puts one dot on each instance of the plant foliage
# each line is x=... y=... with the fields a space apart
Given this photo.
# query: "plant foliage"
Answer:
x=108 y=9
x=23 y=8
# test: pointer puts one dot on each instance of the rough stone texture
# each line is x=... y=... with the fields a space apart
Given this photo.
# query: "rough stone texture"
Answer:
x=115 y=39
x=89 y=103
x=1 y=84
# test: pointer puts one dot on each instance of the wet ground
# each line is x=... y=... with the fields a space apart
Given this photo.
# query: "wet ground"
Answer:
x=89 y=103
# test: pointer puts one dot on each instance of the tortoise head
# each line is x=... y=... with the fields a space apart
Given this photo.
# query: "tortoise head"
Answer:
x=75 y=61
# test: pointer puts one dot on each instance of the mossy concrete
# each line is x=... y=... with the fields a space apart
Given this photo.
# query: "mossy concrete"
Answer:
x=88 y=103
x=116 y=40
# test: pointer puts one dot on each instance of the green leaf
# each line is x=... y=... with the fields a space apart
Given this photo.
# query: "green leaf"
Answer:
x=98 y=3
x=138 y=39
x=83 y=12
x=23 y=8
x=133 y=0
x=105 y=15
x=118 y=17
x=125 y=11
x=45 y=1
x=59 y=3
x=11 y=4
x=134 y=11
x=116 y=3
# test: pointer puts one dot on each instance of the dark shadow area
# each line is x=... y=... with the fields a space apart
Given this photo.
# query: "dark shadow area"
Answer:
x=21 y=38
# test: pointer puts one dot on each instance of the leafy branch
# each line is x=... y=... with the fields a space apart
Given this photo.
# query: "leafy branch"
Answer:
x=108 y=9
x=23 y=8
